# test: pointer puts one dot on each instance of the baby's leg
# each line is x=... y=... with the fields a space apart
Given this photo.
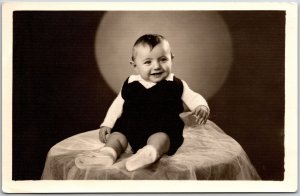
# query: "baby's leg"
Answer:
x=106 y=156
x=161 y=142
x=157 y=145
x=118 y=142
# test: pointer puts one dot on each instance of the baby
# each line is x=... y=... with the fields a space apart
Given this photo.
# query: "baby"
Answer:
x=145 y=114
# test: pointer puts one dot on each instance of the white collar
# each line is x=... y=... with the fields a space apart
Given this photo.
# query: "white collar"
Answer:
x=145 y=83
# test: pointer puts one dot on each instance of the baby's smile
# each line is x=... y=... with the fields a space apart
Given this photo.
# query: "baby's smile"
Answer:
x=157 y=73
x=158 y=76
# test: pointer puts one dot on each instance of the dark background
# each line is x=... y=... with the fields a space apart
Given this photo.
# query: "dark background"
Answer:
x=58 y=90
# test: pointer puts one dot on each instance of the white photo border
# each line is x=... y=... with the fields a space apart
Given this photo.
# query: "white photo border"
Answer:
x=290 y=182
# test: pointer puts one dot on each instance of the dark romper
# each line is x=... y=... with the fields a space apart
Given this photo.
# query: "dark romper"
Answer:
x=148 y=111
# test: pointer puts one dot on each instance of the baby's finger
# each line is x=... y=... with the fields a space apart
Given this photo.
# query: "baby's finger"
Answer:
x=199 y=112
x=102 y=137
x=193 y=113
x=108 y=131
x=99 y=134
x=99 y=137
x=202 y=121
x=205 y=121
x=106 y=137
x=204 y=113
x=198 y=120
x=206 y=117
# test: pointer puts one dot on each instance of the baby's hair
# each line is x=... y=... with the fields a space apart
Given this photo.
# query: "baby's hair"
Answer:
x=150 y=40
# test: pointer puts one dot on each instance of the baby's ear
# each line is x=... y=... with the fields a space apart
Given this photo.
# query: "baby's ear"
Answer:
x=132 y=63
x=172 y=56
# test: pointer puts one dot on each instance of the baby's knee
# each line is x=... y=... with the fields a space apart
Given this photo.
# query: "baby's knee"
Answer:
x=160 y=136
x=160 y=141
x=120 y=137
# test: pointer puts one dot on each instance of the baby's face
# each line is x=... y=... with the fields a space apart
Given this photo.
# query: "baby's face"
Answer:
x=153 y=65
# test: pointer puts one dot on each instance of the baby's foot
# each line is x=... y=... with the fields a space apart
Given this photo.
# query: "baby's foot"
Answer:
x=102 y=158
x=142 y=158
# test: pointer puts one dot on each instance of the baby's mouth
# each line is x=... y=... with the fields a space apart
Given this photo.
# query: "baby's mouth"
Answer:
x=157 y=74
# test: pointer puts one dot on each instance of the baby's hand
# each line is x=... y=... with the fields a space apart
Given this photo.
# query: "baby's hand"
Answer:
x=201 y=113
x=103 y=131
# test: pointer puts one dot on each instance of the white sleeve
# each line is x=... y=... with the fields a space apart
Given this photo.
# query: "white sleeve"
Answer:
x=114 y=112
x=191 y=98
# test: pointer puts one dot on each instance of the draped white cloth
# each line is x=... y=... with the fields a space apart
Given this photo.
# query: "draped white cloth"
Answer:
x=206 y=154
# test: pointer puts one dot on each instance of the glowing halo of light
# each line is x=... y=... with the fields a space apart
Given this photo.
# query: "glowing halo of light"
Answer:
x=200 y=41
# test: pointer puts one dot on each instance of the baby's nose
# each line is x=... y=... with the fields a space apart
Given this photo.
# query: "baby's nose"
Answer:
x=156 y=65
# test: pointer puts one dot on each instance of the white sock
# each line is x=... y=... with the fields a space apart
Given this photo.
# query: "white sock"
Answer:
x=142 y=158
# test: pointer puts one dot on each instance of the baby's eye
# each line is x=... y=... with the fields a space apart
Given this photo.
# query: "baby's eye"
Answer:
x=164 y=59
x=147 y=62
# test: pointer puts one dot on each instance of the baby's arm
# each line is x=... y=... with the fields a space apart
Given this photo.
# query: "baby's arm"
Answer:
x=113 y=113
x=196 y=103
